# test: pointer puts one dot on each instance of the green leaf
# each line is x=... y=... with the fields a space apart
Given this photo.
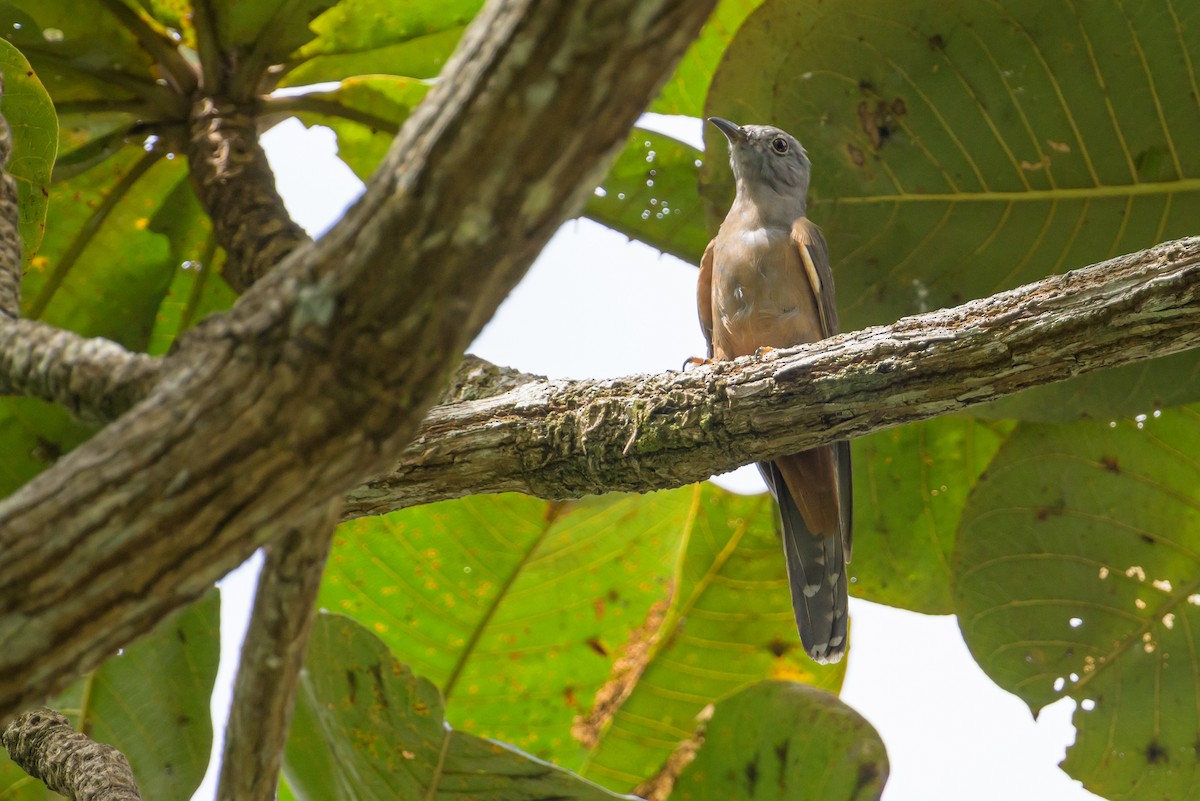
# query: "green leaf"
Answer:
x=101 y=270
x=80 y=50
x=271 y=31
x=196 y=288
x=30 y=115
x=962 y=149
x=366 y=728
x=910 y=485
x=461 y=592
x=366 y=37
x=780 y=740
x=33 y=434
x=729 y=625
x=685 y=90
x=523 y=612
x=650 y=195
x=365 y=112
x=1125 y=391
x=1078 y=573
x=151 y=703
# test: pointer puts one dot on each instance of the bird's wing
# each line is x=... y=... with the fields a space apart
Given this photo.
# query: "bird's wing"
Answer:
x=814 y=255
x=704 y=296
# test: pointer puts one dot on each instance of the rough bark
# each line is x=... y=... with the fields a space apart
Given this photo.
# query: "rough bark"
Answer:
x=234 y=182
x=95 y=378
x=326 y=366
x=272 y=656
x=70 y=763
x=10 y=236
x=565 y=439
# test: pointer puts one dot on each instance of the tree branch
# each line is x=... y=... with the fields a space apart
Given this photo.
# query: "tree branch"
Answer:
x=96 y=378
x=234 y=183
x=272 y=656
x=10 y=235
x=70 y=763
x=565 y=439
x=325 y=367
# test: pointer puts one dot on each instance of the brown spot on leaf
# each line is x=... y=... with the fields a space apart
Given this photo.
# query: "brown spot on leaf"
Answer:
x=596 y=645
x=1155 y=753
x=868 y=774
x=352 y=684
x=751 y=771
x=569 y=696
x=659 y=786
x=937 y=43
x=878 y=120
x=1058 y=147
x=1110 y=464
x=856 y=155
x=1034 y=166
x=626 y=672
x=778 y=647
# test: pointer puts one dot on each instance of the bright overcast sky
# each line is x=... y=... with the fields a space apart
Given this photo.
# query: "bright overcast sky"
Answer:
x=596 y=305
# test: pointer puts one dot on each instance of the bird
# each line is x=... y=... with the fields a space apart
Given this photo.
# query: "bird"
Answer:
x=765 y=282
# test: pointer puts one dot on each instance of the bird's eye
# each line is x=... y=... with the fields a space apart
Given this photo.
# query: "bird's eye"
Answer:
x=779 y=145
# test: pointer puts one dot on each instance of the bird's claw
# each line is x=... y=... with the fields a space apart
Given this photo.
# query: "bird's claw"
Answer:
x=692 y=362
x=759 y=352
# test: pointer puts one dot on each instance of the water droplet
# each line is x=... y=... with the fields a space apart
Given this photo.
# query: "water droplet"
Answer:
x=1076 y=622
x=620 y=196
x=52 y=35
x=1087 y=704
x=601 y=191
x=1059 y=683
x=649 y=182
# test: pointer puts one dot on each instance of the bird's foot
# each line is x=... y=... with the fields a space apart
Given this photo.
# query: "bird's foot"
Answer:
x=762 y=351
x=692 y=362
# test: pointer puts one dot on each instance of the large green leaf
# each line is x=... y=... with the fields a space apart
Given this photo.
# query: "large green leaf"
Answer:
x=30 y=115
x=80 y=50
x=910 y=485
x=513 y=606
x=366 y=728
x=650 y=194
x=685 y=90
x=781 y=740
x=729 y=625
x=960 y=149
x=1118 y=392
x=525 y=612
x=151 y=703
x=101 y=270
x=269 y=31
x=1078 y=573
x=366 y=37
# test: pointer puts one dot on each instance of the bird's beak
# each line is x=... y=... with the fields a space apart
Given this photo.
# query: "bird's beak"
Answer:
x=733 y=132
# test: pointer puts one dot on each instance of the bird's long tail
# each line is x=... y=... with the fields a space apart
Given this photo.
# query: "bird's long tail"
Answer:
x=816 y=568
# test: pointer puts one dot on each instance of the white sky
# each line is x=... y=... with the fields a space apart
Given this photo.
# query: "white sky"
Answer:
x=950 y=733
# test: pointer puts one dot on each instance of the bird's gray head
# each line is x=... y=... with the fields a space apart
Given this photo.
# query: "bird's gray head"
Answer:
x=765 y=157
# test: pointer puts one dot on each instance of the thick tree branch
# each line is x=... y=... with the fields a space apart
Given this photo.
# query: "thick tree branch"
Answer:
x=564 y=439
x=324 y=369
x=234 y=182
x=272 y=656
x=96 y=378
x=70 y=763
x=10 y=235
